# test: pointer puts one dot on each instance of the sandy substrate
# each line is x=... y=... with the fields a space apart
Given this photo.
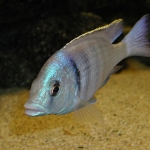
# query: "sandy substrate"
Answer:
x=125 y=106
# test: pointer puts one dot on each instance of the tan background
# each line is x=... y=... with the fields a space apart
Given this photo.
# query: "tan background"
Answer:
x=125 y=106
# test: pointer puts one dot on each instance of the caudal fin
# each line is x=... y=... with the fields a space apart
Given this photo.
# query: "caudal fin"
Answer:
x=138 y=39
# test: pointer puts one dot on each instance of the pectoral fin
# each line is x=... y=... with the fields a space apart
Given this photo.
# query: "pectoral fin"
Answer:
x=86 y=111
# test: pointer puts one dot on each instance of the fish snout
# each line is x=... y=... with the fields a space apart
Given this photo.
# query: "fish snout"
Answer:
x=33 y=109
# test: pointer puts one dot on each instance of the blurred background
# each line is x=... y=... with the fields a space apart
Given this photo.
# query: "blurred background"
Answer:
x=31 y=31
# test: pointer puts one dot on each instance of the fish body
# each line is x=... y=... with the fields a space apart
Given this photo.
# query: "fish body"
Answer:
x=69 y=79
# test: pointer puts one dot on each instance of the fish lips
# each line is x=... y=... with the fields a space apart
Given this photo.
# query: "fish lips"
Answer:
x=33 y=109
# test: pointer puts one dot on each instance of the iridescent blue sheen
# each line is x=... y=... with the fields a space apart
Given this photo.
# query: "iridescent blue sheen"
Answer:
x=57 y=68
x=69 y=79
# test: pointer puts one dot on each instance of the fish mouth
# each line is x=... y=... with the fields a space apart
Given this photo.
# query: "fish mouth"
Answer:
x=33 y=109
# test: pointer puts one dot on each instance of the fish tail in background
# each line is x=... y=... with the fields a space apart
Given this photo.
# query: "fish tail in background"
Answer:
x=138 y=39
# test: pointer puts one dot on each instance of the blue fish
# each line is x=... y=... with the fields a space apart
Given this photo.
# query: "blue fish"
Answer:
x=69 y=79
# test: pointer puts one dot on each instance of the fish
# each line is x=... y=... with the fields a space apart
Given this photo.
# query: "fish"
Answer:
x=69 y=79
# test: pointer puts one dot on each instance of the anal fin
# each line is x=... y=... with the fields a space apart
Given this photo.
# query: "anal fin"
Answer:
x=114 y=70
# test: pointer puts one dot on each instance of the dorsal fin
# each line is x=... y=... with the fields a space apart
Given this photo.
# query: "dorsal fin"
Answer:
x=109 y=32
x=114 y=30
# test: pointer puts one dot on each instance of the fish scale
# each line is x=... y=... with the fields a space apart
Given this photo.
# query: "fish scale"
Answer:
x=82 y=67
x=92 y=61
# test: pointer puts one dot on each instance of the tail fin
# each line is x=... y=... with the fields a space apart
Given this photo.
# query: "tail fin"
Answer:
x=138 y=39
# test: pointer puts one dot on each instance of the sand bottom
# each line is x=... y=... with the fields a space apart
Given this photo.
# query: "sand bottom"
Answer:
x=125 y=106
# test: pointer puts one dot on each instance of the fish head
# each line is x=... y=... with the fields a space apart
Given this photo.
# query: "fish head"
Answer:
x=54 y=89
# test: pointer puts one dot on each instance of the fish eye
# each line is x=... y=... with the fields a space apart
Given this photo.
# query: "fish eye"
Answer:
x=55 y=88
